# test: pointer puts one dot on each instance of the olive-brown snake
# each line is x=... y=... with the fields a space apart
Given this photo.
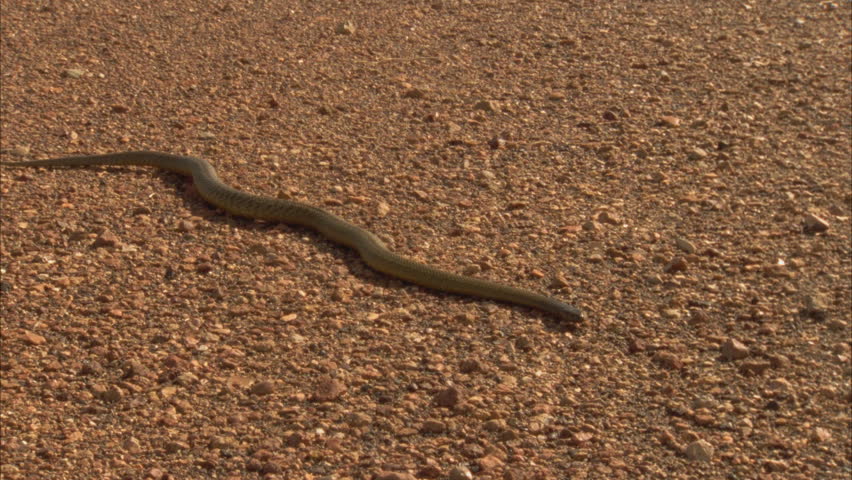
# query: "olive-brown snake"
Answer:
x=372 y=250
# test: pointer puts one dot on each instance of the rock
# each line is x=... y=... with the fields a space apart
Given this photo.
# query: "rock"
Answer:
x=106 y=239
x=675 y=265
x=685 y=245
x=669 y=360
x=448 y=398
x=394 y=476
x=732 y=349
x=820 y=434
x=414 y=93
x=328 y=389
x=358 y=419
x=433 y=426
x=262 y=388
x=814 y=224
x=345 y=28
x=775 y=465
x=33 y=338
x=470 y=366
x=460 y=473
x=700 y=450
x=489 y=106
x=73 y=73
x=816 y=307
x=669 y=121
x=488 y=462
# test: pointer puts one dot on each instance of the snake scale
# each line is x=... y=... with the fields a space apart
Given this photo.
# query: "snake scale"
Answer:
x=372 y=250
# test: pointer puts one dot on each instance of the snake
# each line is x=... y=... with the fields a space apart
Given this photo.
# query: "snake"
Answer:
x=371 y=249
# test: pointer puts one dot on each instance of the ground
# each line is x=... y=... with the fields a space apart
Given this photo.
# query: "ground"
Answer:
x=678 y=170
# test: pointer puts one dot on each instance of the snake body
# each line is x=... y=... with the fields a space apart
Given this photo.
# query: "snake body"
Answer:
x=372 y=250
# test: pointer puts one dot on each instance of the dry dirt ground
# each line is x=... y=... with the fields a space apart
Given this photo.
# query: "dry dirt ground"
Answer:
x=680 y=170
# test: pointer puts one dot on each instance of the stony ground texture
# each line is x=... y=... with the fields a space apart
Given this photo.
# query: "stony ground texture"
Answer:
x=680 y=170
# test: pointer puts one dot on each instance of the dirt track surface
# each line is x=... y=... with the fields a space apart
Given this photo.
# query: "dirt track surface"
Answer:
x=678 y=170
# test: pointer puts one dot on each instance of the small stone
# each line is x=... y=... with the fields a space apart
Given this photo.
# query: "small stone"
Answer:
x=580 y=438
x=670 y=121
x=677 y=264
x=754 y=366
x=733 y=349
x=433 y=426
x=816 y=307
x=448 y=398
x=780 y=385
x=700 y=450
x=358 y=419
x=697 y=154
x=820 y=435
x=394 y=476
x=34 y=338
x=185 y=226
x=685 y=245
x=262 y=388
x=174 y=446
x=382 y=209
x=495 y=425
x=132 y=445
x=489 y=106
x=21 y=150
x=814 y=224
x=206 y=136
x=669 y=360
x=497 y=143
x=345 y=28
x=776 y=360
x=414 y=93
x=611 y=218
x=329 y=389
x=106 y=239
x=775 y=465
x=488 y=462
x=430 y=471
x=460 y=473
x=73 y=73
x=592 y=226
x=119 y=108
x=112 y=394
x=470 y=366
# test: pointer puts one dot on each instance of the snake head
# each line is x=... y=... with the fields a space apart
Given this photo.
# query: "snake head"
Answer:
x=569 y=314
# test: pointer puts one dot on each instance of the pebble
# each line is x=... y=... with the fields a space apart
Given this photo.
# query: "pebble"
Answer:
x=670 y=121
x=489 y=462
x=73 y=73
x=358 y=419
x=414 y=93
x=460 y=473
x=815 y=224
x=685 y=245
x=733 y=349
x=433 y=426
x=345 y=28
x=820 y=435
x=487 y=105
x=780 y=385
x=34 y=338
x=448 y=398
x=394 y=476
x=669 y=360
x=675 y=265
x=106 y=239
x=262 y=388
x=700 y=450
x=329 y=389
x=816 y=307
